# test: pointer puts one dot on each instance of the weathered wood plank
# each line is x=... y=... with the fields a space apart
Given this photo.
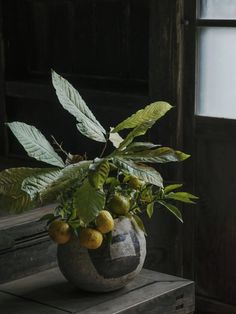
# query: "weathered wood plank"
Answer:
x=11 y=304
x=50 y=287
x=34 y=257
x=160 y=277
x=45 y=92
x=14 y=221
x=25 y=246
x=153 y=298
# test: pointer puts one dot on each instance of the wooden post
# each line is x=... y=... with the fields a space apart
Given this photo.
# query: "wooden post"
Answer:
x=3 y=118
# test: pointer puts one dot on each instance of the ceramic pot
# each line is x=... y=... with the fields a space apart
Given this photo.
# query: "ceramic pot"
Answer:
x=109 y=267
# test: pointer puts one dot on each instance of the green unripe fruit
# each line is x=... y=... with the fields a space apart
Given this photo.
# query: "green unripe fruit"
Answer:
x=119 y=204
x=59 y=231
x=135 y=183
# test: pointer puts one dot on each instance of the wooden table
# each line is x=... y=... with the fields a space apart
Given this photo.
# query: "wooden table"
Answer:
x=48 y=292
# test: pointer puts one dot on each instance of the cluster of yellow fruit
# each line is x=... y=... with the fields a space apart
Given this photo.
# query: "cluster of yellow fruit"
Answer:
x=91 y=237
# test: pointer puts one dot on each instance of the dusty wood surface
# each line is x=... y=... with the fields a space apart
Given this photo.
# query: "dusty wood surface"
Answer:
x=49 y=292
x=30 y=216
x=25 y=246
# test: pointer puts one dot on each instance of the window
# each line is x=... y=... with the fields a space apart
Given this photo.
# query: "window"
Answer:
x=216 y=59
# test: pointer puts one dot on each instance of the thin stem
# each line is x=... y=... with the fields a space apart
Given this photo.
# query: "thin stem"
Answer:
x=104 y=148
x=60 y=146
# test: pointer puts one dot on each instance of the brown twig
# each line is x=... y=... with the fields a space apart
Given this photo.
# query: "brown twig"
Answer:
x=60 y=146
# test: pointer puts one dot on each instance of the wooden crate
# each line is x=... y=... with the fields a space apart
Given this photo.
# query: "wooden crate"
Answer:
x=25 y=246
x=48 y=292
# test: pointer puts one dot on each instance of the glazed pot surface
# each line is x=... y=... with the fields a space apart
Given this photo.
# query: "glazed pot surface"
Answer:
x=109 y=267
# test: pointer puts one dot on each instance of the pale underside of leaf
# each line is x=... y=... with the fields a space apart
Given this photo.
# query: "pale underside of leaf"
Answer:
x=49 y=186
x=90 y=130
x=151 y=112
x=115 y=138
x=71 y=101
x=145 y=173
x=140 y=146
x=35 y=185
x=35 y=144
x=88 y=201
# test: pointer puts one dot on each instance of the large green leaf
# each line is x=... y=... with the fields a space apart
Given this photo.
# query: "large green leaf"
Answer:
x=145 y=173
x=173 y=209
x=159 y=155
x=35 y=143
x=47 y=187
x=137 y=221
x=11 y=179
x=152 y=112
x=35 y=185
x=71 y=100
x=88 y=201
x=98 y=172
x=172 y=187
x=182 y=197
x=16 y=204
x=150 y=208
x=138 y=131
x=12 y=198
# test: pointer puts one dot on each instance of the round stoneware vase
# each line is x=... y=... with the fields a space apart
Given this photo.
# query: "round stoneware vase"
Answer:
x=109 y=267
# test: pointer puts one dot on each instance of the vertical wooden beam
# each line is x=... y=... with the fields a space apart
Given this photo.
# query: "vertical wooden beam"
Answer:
x=179 y=113
x=3 y=116
x=159 y=49
x=188 y=132
x=166 y=63
x=165 y=83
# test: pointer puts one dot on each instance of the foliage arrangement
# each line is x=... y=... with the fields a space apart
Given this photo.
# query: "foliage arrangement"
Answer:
x=91 y=193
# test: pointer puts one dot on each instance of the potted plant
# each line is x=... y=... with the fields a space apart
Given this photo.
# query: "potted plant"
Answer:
x=97 y=222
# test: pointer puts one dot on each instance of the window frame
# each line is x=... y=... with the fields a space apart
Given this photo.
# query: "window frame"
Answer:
x=196 y=127
x=200 y=23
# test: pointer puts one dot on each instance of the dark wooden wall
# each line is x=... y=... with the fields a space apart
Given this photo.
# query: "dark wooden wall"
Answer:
x=98 y=45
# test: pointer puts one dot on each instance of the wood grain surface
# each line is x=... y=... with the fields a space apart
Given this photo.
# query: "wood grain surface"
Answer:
x=150 y=292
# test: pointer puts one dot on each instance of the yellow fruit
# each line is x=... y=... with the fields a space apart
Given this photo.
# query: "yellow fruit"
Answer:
x=59 y=231
x=90 y=238
x=135 y=183
x=119 y=204
x=104 y=221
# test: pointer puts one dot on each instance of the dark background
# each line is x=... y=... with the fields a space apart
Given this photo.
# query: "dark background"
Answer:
x=122 y=55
